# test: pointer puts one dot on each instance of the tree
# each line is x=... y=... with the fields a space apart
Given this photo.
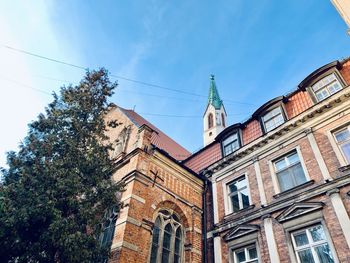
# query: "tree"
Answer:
x=58 y=186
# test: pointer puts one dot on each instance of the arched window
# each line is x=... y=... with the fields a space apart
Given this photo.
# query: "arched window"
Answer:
x=108 y=227
x=210 y=120
x=167 y=239
x=223 y=119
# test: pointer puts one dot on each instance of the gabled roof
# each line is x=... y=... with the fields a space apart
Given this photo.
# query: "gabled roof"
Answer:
x=214 y=98
x=159 y=139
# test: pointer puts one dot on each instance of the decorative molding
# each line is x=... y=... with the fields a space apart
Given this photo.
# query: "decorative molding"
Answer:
x=240 y=231
x=299 y=209
x=333 y=191
x=344 y=168
x=266 y=217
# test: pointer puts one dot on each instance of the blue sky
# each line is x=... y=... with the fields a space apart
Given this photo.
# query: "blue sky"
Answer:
x=257 y=50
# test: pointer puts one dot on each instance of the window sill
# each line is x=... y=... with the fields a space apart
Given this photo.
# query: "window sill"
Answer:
x=294 y=189
x=344 y=168
x=239 y=212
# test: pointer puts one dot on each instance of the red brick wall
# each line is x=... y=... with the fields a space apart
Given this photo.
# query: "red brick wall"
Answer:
x=345 y=71
x=297 y=103
x=251 y=132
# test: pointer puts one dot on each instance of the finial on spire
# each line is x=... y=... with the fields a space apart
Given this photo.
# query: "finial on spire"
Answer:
x=211 y=76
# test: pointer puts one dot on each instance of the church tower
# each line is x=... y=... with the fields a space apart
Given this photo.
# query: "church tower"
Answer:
x=214 y=119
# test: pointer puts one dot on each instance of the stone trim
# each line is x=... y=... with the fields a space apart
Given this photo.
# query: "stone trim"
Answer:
x=271 y=242
x=241 y=230
x=217 y=249
x=318 y=156
x=133 y=196
x=307 y=207
x=126 y=245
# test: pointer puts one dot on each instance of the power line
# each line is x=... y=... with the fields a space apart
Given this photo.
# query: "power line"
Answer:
x=113 y=75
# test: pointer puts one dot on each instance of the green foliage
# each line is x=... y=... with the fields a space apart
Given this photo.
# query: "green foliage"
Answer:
x=58 y=185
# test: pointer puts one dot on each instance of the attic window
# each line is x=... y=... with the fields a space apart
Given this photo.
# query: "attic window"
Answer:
x=273 y=119
x=230 y=144
x=326 y=87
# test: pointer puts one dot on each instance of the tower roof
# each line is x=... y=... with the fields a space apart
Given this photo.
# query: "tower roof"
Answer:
x=214 y=98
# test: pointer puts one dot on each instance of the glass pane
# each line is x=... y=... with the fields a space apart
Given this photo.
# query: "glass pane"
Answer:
x=301 y=239
x=324 y=254
x=232 y=187
x=278 y=120
x=269 y=125
x=346 y=151
x=280 y=165
x=241 y=183
x=317 y=233
x=240 y=255
x=155 y=240
x=342 y=135
x=176 y=259
x=245 y=198
x=252 y=253
x=154 y=254
x=293 y=158
x=230 y=139
x=235 y=202
x=285 y=180
x=165 y=256
x=178 y=233
x=305 y=256
x=298 y=174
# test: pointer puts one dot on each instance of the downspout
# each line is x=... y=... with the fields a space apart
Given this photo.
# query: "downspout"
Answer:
x=204 y=223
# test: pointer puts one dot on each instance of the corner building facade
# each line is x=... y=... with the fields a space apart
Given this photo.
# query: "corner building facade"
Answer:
x=273 y=189
x=280 y=181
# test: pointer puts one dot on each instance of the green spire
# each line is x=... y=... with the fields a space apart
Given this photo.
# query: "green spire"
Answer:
x=214 y=98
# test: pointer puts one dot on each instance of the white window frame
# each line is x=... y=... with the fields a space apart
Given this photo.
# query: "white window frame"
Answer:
x=275 y=181
x=312 y=244
x=343 y=160
x=230 y=143
x=318 y=86
x=233 y=253
x=227 y=199
x=264 y=121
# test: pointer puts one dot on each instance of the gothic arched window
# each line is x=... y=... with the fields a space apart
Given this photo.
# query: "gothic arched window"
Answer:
x=108 y=226
x=210 y=120
x=167 y=239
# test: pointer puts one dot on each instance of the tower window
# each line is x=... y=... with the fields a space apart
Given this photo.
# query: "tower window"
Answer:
x=223 y=120
x=210 y=120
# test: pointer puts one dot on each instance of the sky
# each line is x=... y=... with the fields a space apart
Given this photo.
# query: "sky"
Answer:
x=257 y=50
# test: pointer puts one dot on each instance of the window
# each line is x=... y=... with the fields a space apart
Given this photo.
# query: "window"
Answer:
x=230 y=144
x=273 y=119
x=167 y=239
x=223 y=120
x=210 y=120
x=311 y=246
x=238 y=194
x=326 y=87
x=343 y=140
x=246 y=254
x=289 y=171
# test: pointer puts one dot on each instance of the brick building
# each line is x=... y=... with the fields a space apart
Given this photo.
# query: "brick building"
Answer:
x=275 y=188
x=162 y=217
x=279 y=182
